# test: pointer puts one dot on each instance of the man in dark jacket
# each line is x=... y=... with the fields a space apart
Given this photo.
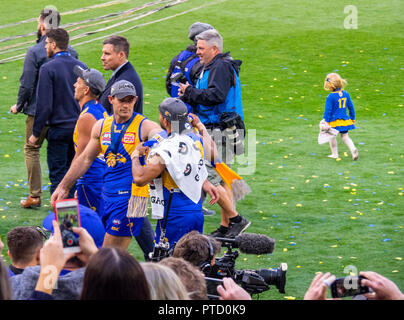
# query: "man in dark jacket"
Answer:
x=56 y=106
x=217 y=91
x=115 y=53
x=36 y=56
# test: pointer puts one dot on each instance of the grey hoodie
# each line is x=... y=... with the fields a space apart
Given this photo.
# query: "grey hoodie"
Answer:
x=68 y=286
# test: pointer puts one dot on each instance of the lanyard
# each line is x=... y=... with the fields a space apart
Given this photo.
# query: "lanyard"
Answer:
x=116 y=139
x=61 y=53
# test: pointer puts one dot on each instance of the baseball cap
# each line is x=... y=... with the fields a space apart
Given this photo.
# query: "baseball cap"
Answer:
x=92 y=77
x=197 y=28
x=175 y=111
x=89 y=221
x=122 y=89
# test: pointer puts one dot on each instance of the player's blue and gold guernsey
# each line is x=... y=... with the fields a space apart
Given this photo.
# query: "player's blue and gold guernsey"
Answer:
x=184 y=214
x=117 y=145
x=98 y=167
x=335 y=112
x=89 y=186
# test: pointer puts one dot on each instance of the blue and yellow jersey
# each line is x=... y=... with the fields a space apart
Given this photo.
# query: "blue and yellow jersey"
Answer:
x=98 y=112
x=180 y=202
x=118 y=174
x=335 y=113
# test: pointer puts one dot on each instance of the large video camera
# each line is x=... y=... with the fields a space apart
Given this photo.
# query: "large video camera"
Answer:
x=253 y=281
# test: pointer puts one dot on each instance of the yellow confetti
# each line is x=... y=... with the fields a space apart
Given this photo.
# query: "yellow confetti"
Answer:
x=298 y=267
x=390 y=172
x=299 y=205
x=394 y=271
x=285 y=250
x=261 y=211
x=320 y=262
x=6 y=156
x=290 y=298
x=3 y=217
x=334 y=246
x=4 y=78
x=399 y=258
x=338 y=159
x=260 y=116
x=245 y=259
x=353 y=218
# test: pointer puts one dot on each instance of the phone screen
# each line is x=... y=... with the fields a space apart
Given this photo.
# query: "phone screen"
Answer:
x=348 y=287
x=68 y=216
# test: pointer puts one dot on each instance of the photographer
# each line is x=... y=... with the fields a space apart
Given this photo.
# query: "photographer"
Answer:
x=215 y=97
x=383 y=288
x=201 y=250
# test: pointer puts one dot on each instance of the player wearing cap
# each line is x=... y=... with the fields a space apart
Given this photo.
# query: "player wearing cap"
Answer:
x=116 y=138
x=88 y=87
x=179 y=160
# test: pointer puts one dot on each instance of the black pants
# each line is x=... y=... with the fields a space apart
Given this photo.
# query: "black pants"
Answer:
x=60 y=153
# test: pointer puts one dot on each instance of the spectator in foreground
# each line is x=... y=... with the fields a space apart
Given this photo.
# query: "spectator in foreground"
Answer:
x=192 y=278
x=24 y=244
x=164 y=283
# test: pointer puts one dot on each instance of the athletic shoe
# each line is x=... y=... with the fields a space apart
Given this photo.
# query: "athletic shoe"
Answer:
x=236 y=228
x=218 y=233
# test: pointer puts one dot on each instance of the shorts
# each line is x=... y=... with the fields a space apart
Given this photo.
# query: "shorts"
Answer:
x=179 y=224
x=116 y=222
x=213 y=177
x=89 y=195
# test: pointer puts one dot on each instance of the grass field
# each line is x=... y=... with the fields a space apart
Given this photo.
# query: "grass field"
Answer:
x=325 y=214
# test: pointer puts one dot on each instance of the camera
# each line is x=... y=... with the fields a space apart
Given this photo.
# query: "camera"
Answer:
x=348 y=287
x=178 y=77
x=253 y=281
x=231 y=123
x=161 y=250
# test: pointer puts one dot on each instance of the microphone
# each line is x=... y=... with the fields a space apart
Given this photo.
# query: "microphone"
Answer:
x=250 y=243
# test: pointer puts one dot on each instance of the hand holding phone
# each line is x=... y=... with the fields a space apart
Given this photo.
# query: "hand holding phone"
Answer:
x=348 y=287
x=67 y=214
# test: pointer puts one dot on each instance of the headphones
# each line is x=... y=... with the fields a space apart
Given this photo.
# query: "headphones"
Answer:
x=205 y=266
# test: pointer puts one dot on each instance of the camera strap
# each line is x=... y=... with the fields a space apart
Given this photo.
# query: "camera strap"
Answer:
x=163 y=229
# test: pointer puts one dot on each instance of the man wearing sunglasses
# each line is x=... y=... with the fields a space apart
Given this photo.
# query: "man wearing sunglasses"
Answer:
x=116 y=137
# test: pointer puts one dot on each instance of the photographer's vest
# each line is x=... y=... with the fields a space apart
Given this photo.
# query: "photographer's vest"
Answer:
x=232 y=103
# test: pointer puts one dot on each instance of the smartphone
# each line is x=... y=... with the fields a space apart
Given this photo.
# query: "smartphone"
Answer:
x=348 y=287
x=67 y=214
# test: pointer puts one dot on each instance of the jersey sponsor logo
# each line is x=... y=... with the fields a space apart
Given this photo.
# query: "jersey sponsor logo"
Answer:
x=116 y=222
x=129 y=138
x=106 y=139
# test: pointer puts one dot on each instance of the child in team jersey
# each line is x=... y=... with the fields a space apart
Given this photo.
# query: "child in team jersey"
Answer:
x=336 y=115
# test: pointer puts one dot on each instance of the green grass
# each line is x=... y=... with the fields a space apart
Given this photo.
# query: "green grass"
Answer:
x=301 y=198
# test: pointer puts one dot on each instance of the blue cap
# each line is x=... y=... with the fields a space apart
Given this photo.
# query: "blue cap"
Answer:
x=89 y=221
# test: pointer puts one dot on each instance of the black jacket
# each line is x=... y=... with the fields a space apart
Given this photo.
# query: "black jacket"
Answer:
x=55 y=104
x=127 y=72
x=36 y=56
x=221 y=79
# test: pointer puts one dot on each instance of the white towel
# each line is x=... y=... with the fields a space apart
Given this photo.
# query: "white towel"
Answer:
x=184 y=162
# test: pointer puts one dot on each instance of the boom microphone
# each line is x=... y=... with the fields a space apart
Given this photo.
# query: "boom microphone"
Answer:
x=250 y=243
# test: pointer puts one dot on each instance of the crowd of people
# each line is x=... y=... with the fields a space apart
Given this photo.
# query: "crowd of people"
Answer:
x=102 y=150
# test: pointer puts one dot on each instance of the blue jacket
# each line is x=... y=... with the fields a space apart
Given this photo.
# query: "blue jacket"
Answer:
x=127 y=72
x=217 y=90
x=56 y=105
x=36 y=56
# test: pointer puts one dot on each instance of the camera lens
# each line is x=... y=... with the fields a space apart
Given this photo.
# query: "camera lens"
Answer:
x=275 y=276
